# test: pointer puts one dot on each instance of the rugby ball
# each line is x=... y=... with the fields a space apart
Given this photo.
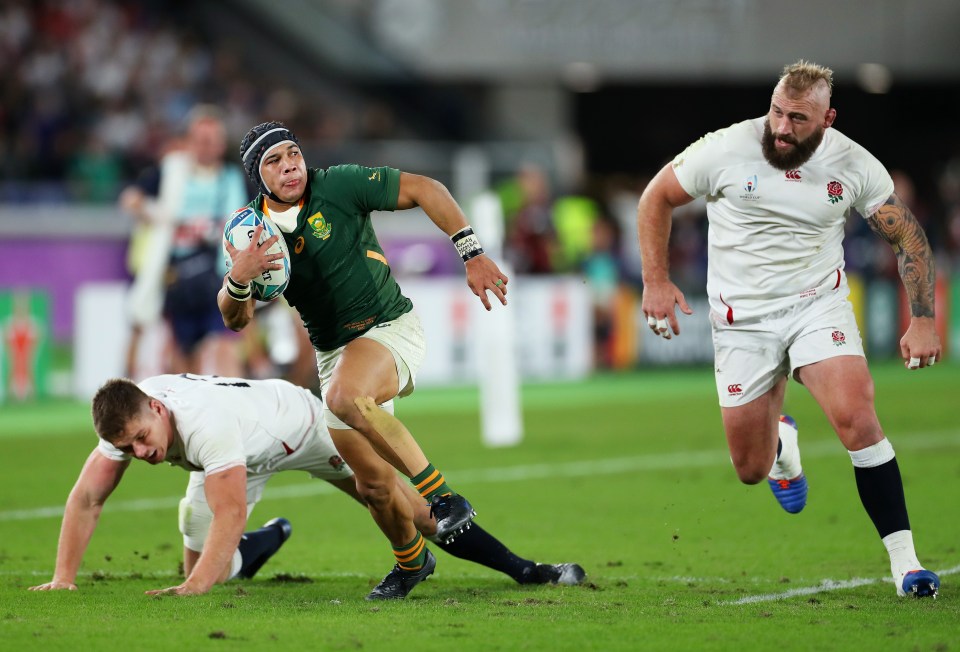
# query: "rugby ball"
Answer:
x=238 y=231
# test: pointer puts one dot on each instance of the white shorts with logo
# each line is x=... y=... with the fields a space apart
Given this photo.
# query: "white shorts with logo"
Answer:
x=403 y=337
x=750 y=358
x=317 y=456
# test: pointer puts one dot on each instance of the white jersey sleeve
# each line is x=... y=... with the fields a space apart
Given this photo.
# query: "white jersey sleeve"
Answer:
x=111 y=452
x=877 y=185
x=696 y=166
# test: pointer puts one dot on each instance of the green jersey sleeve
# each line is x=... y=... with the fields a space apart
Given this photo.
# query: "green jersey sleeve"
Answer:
x=369 y=189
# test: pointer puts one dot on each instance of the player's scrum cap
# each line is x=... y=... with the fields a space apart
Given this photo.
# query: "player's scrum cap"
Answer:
x=260 y=140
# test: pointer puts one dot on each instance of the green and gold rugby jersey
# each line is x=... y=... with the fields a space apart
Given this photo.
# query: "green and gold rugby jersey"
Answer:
x=340 y=283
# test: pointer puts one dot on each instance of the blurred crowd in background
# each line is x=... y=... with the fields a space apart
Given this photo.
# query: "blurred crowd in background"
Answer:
x=94 y=91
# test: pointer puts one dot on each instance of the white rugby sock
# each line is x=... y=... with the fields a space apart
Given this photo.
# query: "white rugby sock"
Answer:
x=903 y=556
x=787 y=465
x=235 y=564
x=875 y=455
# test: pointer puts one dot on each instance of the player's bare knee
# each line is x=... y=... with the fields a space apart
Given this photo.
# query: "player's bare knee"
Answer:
x=858 y=431
x=751 y=470
x=339 y=400
x=194 y=520
x=752 y=476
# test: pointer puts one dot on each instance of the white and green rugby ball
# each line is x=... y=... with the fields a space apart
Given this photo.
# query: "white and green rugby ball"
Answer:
x=238 y=231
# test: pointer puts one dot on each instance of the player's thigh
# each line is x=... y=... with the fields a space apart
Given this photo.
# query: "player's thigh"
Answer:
x=827 y=357
x=843 y=388
x=195 y=515
x=749 y=361
x=750 y=369
x=752 y=432
x=319 y=456
x=366 y=367
x=404 y=338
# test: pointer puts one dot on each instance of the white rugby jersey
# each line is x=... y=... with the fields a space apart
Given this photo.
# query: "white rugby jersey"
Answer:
x=775 y=236
x=226 y=422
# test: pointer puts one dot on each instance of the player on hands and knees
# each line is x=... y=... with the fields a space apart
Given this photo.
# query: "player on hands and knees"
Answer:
x=368 y=340
x=233 y=434
x=781 y=187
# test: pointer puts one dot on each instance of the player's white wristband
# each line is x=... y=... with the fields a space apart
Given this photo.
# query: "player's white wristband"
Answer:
x=467 y=243
x=237 y=291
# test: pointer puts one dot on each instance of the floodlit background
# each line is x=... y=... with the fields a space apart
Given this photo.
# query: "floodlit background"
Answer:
x=545 y=118
x=561 y=109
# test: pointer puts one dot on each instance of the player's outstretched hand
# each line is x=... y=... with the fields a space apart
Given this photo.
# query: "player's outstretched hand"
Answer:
x=920 y=345
x=659 y=306
x=55 y=585
x=182 y=589
x=483 y=275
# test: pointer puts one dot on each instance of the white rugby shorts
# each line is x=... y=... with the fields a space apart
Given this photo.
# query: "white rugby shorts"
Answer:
x=316 y=455
x=749 y=358
x=403 y=337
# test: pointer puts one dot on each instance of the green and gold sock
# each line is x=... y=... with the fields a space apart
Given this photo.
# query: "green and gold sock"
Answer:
x=430 y=482
x=411 y=557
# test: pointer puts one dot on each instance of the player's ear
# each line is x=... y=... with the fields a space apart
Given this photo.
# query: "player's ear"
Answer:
x=157 y=407
x=830 y=116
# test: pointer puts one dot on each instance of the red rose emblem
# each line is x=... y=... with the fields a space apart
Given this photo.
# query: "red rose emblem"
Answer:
x=834 y=192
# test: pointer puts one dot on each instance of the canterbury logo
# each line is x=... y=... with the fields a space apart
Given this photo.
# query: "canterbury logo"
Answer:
x=793 y=175
x=735 y=390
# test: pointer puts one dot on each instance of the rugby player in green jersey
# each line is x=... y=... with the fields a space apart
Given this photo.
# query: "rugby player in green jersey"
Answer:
x=369 y=344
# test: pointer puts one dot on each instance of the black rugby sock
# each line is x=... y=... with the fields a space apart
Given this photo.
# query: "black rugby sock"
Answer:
x=481 y=547
x=255 y=547
x=881 y=492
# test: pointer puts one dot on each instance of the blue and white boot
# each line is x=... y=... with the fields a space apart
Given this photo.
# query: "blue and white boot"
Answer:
x=919 y=583
x=786 y=478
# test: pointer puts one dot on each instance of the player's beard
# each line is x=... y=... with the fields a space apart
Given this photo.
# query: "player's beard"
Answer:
x=794 y=158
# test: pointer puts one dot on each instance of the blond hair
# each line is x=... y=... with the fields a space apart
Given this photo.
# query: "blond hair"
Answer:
x=804 y=75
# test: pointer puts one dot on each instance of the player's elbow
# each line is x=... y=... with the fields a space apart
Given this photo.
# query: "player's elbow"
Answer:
x=87 y=502
x=236 y=325
x=417 y=190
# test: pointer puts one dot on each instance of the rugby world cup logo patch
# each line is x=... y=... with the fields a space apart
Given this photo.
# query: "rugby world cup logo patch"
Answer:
x=750 y=184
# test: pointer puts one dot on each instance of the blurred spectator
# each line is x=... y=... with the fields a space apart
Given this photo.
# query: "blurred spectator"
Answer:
x=573 y=219
x=531 y=244
x=92 y=81
x=949 y=186
x=186 y=200
x=602 y=269
x=95 y=173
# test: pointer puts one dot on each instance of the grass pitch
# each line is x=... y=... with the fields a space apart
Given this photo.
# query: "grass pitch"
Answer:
x=627 y=475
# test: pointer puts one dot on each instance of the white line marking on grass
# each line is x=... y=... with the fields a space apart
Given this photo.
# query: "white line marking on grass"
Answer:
x=824 y=587
x=126 y=575
x=579 y=468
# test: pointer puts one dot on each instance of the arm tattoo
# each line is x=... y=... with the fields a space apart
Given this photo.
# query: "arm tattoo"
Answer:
x=894 y=222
